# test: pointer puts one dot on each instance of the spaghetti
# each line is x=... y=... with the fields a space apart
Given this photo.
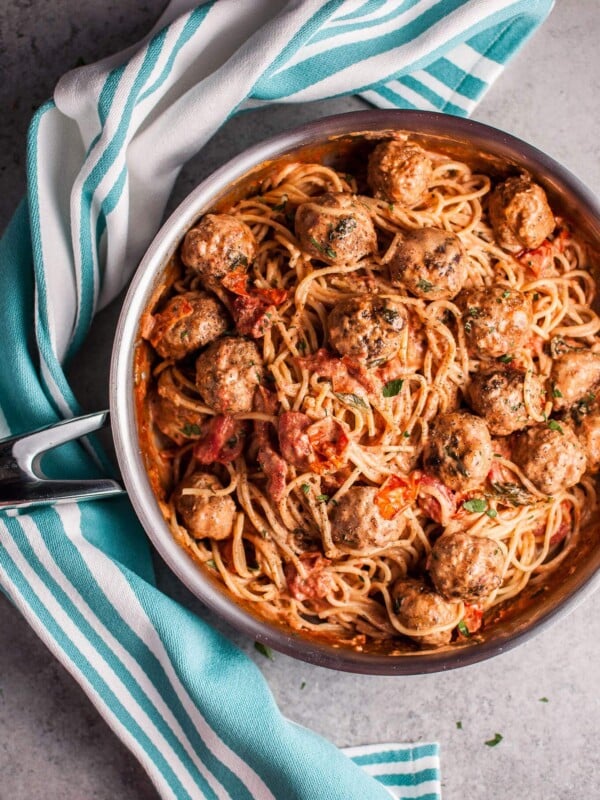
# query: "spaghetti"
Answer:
x=335 y=438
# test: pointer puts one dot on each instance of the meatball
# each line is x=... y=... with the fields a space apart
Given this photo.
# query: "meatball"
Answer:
x=227 y=373
x=588 y=433
x=573 y=376
x=170 y=416
x=218 y=244
x=186 y=323
x=551 y=457
x=367 y=327
x=465 y=567
x=357 y=523
x=399 y=172
x=499 y=397
x=419 y=607
x=520 y=214
x=496 y=320
x=335 y=228
x=205 y=515
x=459 y=450
x=430 y=263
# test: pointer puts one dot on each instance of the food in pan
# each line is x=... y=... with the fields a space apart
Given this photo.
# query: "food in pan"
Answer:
x=372 y=406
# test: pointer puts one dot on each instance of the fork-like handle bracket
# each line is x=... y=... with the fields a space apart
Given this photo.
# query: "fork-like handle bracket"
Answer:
x=22 y=483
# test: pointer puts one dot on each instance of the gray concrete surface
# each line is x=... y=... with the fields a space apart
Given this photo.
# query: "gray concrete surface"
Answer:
x=52 y=742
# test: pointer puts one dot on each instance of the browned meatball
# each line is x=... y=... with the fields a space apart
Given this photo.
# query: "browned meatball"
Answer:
x=588 y=433
x=419 y=607
x=186 y=323
x=465 y=567
x=357 y=523
x=496 y=320
x=335 y=228
x=205 y=515
x=367 y=327
x=520 y=214
x=498 y=395
x=399 y=172
x=170 y=416
x=227 y=373
x=573 y=377
x=218 y=244
x=459 y=450
x=430 y=263
x=551 y=457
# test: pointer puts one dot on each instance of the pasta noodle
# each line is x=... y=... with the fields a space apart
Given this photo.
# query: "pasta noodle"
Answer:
x=282 y=557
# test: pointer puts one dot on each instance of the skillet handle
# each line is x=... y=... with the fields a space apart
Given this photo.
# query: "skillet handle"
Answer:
x=22 y=482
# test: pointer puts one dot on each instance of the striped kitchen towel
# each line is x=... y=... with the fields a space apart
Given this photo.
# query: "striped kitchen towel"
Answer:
x=102 y=158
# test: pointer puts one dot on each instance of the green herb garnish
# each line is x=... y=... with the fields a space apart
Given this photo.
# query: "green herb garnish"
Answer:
x=476 y=505
x=351 y=399
x=544 y=700
x=554 y=426
x=556 y=392
x=491 y=513
x=302 y=685
x=392 y=388
x=462 y=628
x=459 y=725
x=506 y=294
x=344 y=226
x=211 y=563
x=191 y=429
x=424 y=286
x=496 y=740
x=506 y=359
x=390 y=315
x=322 y=498
x=305 y=488
x=322 y=248
x=264 y=650
x=512 y=494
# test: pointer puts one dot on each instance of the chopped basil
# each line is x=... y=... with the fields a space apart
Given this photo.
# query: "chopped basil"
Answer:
x=305 y=488
x=476 y=505
x=506 y=359
x=512 y=494
x=392 y=388
x=302 y=685
x=554 y=426
x=496 y=740
x=474 y=312
x=391 y=206
x=237 y=260
x=262 y=648
x=191 y=429
x=544 y=700
x=459 y=725
x=506 y=294
x=322 y=498
x=556 y=392
x=390 y=315
x=468 y=326
x=344 y=226
x=462 y=627
x=460 y=467
x=211 y=563
x=491 y=512
x=425 y=286
x=351 y=399
x=323 y=248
